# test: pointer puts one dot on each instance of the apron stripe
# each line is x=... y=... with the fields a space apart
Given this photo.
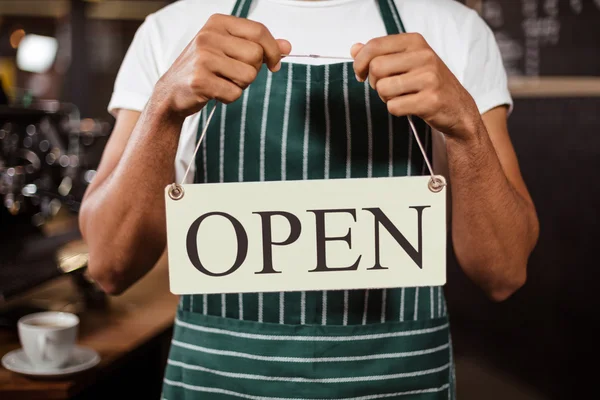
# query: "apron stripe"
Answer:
x=366 y=307
x=263 y=128
x=346 y=300
x=416 y=314
x=390 y=173
x=396 y=17
x=383 y=305
x=223 y=305
x=432 y=302
x=327 y=125
x=341 y=338
x=348 y=159
x=439 y=293
x=324 y=309
x=305 y=171
x=348 y=125
x=391 y=139
x=286 y=120
x=368 y=378
x=251 y=397
x=281 y=307
x=258 y=357
x=302 y=308
x=410 y=150
x=263 y=134
x=239 y=8
x=369 y=129
x=204 y=146
x=222 y=144
x=402 y=304
x=306 y=126
x=242 y=134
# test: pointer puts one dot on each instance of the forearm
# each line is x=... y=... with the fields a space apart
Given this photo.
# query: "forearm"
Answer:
x=494 y=228
x=122 y=219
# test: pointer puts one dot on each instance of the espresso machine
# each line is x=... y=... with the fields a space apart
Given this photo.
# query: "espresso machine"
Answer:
x=48 y=157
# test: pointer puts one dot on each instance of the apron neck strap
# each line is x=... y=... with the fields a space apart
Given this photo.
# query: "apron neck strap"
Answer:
x=241 y=8
x=391 y=17
x=389 y=13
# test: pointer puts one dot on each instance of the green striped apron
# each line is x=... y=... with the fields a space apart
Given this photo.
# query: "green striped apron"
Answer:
x=311 y=122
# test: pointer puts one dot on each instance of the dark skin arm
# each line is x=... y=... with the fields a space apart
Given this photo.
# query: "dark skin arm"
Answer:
x=494 y=223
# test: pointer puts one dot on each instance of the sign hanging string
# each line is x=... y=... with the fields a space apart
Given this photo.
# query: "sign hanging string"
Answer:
x=436 y=183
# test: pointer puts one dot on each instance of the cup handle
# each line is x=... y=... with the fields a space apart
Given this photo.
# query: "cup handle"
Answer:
x=42 y=344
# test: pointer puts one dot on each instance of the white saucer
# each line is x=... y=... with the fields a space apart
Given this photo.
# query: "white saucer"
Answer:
x=82 y=358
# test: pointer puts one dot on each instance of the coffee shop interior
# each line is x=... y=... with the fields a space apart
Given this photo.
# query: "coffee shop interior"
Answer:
x=58 y=63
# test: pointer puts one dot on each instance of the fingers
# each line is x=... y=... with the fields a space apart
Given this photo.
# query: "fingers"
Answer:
x=224 y=58
x=382 y=46
x=237 y=48
x=404 y=70
x=257 y=33
x=222 y=90
x=423 y=104
x=405 y=105
x=399 y=85
x=236 y=71
x=393 y=64
x=242 y=50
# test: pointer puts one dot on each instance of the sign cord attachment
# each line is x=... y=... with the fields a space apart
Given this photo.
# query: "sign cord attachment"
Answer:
x=176 y=191
x=437 y=182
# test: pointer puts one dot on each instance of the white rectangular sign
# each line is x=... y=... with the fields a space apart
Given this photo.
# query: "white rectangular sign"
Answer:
x=306 y=235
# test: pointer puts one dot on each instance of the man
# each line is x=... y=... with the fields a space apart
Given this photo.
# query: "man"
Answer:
x=283 y=120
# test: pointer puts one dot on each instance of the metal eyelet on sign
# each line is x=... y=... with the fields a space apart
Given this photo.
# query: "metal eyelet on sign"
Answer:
x=436 y=183
x=176 y=192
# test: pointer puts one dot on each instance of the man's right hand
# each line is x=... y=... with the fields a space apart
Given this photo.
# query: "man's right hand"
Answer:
x=219 y=63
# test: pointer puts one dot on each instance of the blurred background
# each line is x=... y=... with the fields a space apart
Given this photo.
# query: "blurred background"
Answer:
x=58 y=63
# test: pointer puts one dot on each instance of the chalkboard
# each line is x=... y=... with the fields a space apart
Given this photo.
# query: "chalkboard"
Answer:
x=546 y=37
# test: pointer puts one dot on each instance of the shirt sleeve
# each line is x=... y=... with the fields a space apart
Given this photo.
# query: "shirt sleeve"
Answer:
x=485 y=77
x=138 y=73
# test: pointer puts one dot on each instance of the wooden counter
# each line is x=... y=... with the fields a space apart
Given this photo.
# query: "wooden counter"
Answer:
x=131 y=321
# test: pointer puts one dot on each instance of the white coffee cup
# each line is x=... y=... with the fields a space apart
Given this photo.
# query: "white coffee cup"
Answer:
x=48 y=338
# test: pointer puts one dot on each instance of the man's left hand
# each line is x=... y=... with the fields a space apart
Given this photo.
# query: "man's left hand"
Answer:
x=412 y=80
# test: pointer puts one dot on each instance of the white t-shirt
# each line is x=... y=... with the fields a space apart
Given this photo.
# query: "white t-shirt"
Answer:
x=328 y=27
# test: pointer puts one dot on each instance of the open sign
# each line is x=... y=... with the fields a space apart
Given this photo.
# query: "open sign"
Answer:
x=306 y=235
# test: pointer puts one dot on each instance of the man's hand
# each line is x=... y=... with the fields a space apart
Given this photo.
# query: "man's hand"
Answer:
x=219 y=63
x=413 y=80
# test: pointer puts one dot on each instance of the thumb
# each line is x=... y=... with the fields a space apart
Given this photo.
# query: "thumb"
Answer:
x=284 y=46
x=355 y=49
